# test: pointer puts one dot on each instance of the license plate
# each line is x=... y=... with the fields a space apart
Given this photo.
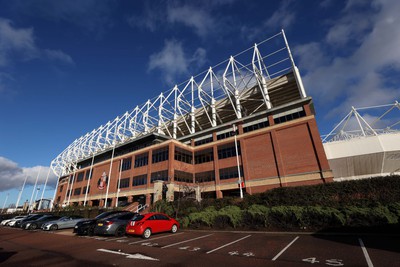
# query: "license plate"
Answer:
x=131 y=231
x=100 y=224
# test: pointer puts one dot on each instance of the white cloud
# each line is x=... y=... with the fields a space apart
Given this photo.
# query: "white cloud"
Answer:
x=172 y=61
x=356 y=76
x=200 y=20
x=198 y=16
x=12 y=176
x=282 y=18
x=58 y=55
x=16 y=43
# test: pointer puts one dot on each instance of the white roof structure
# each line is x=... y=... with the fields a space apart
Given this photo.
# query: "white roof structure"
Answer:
x=366 y=143
x=245 y=84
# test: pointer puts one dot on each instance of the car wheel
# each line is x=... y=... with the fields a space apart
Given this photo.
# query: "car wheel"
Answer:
x=146 y=233
x=90 y=231
x=120 y=231
x=54 y=227
x=33 y=226
x=174 y=228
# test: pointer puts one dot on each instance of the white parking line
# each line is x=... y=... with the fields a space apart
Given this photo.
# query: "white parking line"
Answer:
x=142 y=241
x=283 y=250
x=186 y=241
x=364 y=249
x=228 y=244
x=118 y=238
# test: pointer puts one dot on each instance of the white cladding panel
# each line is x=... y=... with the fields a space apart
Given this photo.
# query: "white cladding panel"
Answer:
x=362 y=146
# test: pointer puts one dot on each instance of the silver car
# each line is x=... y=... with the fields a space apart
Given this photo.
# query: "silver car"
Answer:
x=62 y=223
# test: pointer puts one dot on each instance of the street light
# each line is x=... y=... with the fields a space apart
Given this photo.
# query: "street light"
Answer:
x=237 y=160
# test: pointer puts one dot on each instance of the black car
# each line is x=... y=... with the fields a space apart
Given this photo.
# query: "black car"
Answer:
x=36 y=224
x=87 y=227
x=31 y=217
x=114 y=225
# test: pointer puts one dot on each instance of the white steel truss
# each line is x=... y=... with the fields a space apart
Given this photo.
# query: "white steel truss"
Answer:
x=204 y=101
x=367 y=121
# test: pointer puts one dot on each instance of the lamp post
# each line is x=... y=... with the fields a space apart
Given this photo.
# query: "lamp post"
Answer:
x=5 y=201
x=237 y=160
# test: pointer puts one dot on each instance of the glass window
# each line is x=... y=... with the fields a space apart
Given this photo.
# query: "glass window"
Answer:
x=229 y=173
x=160 y=155
x=77 y=191
x=142 y=160
x=228 y=151
x=126 y=164
x=80 y=177
x=84 y=190
x=203 y=156
x=183 y=155
x=202 y=177
x=139 y=180
x=161 y=175
x=256 y=126
x=88 y=174
x=124 y=183
x=203 y=141
x=61 y=188
x=181 y=176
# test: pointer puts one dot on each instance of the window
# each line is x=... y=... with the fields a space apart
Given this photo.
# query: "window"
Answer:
x=183 y=155
x=289 y=117
x=71 y=178
x=139 y=180
x=202 y=177
x=160 y=155
x=124 y=183
x=77 y=191
x=228 y=151
x=61 y=188
x=88 y=175
x=202 y=156
x=203 y=141
x=126 y=164
x=227 y=135
x=84 y=190
x=181 y=176
x=141 y=160
x=256 y=126
x=228 y=173
x=161 y=175
x=80 y=177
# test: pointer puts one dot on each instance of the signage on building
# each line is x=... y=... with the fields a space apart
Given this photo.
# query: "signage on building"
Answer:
x=102 y=182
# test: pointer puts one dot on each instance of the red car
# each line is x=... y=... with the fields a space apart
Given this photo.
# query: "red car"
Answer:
x=153 y=222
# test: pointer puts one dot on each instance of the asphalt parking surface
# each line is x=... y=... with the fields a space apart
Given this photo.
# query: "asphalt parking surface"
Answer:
x=197 y=248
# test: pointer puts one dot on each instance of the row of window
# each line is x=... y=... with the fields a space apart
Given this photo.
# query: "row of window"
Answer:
x=79 y=191
x=183 y=155
x=180 y=176
x=290 y=117
x=256 y=126
x=228 y=150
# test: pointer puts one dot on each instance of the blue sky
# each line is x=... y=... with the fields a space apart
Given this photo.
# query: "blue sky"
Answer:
x=69 y=66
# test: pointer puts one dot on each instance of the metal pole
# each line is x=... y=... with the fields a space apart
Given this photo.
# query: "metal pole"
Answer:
x=72 y=185
x=44 y=187
x=55 y=193
x=237 y=160
x=34 y=187
x=109 y=177
x=37 y=191
x=119 y=182
x=20 y=192
x=5 y=202
x=87 y=185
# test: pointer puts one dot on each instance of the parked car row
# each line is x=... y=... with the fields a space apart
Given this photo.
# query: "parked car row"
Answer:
x=117 y=223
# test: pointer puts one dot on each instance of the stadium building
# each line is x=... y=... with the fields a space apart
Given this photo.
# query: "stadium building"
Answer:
x=366 y=143
x=243 y=126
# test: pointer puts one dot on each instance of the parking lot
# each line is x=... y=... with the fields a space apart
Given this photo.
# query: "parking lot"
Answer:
x=194 y=248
